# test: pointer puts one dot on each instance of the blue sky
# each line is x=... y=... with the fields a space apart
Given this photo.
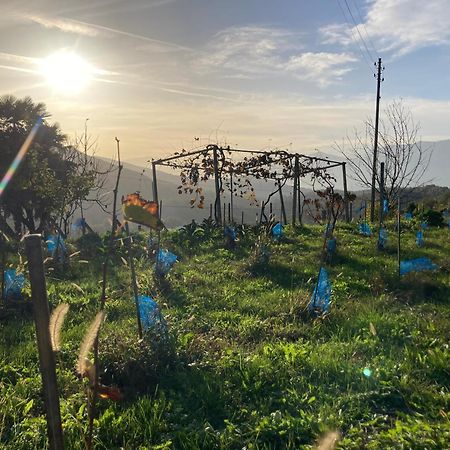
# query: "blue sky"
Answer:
x=255 y=73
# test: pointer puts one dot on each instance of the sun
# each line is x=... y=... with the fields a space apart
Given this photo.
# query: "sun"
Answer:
x=66 y=72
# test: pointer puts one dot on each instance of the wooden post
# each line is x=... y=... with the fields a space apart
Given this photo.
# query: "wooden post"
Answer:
x=210 y=210
x=295 y=190
x=283 y=210
x=33 y=246
x=154 y=184
x=229 y=212
x=344 y=176
x=217 y=209
x=133 y=280
x=398 y=236
x=351 y=211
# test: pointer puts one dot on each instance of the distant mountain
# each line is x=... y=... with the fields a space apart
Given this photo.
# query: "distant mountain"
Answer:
x=176 y=210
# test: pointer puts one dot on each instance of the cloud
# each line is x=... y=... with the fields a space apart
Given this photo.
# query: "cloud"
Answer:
x=324 y=68
x=399 y=26
x=66 y=25
x=251 y=51
x=93 y=30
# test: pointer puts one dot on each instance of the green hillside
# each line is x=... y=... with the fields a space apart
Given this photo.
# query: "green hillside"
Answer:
x=244 y=365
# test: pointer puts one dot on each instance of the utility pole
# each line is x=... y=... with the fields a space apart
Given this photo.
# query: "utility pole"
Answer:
x=375 y=143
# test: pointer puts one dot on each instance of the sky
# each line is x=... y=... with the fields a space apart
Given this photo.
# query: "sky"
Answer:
x=163 y=75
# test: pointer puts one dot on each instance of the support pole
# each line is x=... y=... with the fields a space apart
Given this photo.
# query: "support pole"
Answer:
x=154 y=183
x=217 y=209
x=33 y=246
x=210 y=211
x=299 y=199
x=295 y=190
x=398 y=236
x=133 y=279
x=375 y=143
x=232 y=197
x=224 y=213
x=283 y=210
x=381 y=215
x=344 y=177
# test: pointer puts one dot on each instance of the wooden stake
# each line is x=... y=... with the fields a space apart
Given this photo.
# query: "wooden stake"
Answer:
x=33 y=246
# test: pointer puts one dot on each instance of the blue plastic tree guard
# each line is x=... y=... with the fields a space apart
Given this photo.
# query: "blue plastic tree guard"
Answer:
x=277 y=231
x=360 y=209
x=79 y=224
x=320 y=299
x=382 y=238
x=14 y=284
x=53 y=241
x=364 y=228
x=419 y=238
x=417 y=265
x=385 y=206
x=150 y=315
x=424 y=225
x=408 y=215
x=164 y=262
x=230 y=232
x=331 y=245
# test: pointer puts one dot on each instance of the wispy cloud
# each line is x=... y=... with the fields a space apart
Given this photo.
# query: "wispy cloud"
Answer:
x=93 y=30
x=261 y=51
x=399 y=26
x=250 y=49
x=323 y=68
x=66 y=25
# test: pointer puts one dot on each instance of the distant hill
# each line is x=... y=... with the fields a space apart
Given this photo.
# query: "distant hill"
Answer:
x=177 y=212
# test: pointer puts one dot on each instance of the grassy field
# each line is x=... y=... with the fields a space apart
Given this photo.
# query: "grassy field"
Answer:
x=244 y=366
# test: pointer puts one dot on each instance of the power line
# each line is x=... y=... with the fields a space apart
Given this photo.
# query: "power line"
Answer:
x=359 y=33
x=355 y=40
x=355 y=4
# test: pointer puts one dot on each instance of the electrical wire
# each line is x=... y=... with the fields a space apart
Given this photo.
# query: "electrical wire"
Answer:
x=369 y=61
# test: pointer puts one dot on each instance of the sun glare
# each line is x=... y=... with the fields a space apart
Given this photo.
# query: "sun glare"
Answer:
x=67 y=72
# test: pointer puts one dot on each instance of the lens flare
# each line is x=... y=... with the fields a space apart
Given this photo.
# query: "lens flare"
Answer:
x=18 y=159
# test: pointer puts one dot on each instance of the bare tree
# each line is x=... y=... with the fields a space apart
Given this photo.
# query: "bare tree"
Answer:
x=399 y=146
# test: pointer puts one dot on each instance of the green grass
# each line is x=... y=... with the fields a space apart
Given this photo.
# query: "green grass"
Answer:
x=244 y=366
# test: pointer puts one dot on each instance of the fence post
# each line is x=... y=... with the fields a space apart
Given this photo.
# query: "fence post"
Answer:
x=41 y=312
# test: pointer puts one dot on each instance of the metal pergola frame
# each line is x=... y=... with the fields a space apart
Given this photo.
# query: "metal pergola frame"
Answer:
x=297 y=158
